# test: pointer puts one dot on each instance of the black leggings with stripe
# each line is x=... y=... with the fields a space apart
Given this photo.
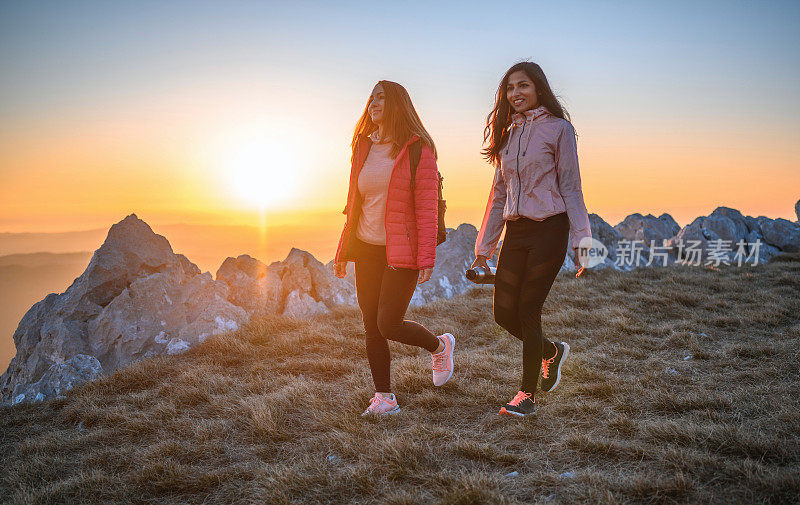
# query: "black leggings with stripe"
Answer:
x=529 y=260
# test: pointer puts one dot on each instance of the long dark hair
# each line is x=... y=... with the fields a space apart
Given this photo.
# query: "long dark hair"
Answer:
x=400 y=120
x=496 y=131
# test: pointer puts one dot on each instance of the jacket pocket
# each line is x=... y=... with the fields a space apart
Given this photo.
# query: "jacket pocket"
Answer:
x=542 y=198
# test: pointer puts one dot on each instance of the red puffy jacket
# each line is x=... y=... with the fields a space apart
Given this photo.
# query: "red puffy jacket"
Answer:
x=411 y=223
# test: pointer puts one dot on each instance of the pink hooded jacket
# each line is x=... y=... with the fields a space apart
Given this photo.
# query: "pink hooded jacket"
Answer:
x=537 y=177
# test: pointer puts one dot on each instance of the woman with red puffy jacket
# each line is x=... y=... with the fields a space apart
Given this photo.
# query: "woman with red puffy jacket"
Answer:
x=390 y=234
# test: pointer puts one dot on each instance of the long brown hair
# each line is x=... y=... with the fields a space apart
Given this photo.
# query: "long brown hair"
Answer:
x=496 y=131
x=400 y=120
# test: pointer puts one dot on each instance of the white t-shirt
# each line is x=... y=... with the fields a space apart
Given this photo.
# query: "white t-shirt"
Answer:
x=373 y=185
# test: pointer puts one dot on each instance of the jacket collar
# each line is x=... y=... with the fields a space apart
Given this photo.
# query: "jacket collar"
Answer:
x=519 y=118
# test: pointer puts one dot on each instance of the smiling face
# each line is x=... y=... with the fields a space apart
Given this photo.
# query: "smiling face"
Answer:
x=521 y=92
x=376 y=104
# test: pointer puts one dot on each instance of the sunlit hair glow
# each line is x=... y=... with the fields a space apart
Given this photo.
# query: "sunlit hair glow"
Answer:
x=400 y=120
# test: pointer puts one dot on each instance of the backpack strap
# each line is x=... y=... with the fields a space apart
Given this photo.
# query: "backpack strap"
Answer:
x=414 y=153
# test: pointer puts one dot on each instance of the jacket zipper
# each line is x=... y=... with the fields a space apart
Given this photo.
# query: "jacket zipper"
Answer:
x=519 y=180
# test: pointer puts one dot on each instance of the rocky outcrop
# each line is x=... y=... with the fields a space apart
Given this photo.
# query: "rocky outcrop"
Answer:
x=136 y=299
x=797 y=210
x=60 y=378
x=781 y=233
x=252 y=285
x=453 y=257
x=729 y=227
x=606 y=234
x=649 y=229
x=299 y=286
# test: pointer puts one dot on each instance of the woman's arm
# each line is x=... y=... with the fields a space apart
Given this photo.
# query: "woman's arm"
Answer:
x=426 y=207
x=569 y=184
x=492 y=225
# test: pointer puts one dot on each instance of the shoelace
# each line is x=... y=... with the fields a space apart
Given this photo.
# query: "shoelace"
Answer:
x=377 y=400
x=438 y=360
x=546 y=364
x=546 y=367
x=521 y=396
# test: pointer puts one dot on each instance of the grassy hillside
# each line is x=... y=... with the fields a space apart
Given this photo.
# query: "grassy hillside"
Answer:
x=270 y=414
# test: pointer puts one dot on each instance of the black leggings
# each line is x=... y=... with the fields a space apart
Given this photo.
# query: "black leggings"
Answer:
x=530 y=258
x=383 y=296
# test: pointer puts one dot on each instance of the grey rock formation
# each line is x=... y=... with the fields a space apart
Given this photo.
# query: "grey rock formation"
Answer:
x=253 y=285
x=138 y=299
x=135 y=295
x=730 y=226
x=648 y=228
x=781 y=233
x=302 y=270
x=60 y=378
x=797 y=211
x=605 y=233
x=453 y=257
x=299 y=286
x=300 y=305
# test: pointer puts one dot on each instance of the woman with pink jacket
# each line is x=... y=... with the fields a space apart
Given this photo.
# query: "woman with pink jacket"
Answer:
x=390 y=233
x=536 y=195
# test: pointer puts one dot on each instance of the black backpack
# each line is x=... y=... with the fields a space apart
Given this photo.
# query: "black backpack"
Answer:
x=414 y=154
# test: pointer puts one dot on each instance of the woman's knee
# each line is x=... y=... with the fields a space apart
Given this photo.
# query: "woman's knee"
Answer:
x=389 y=326
x=507 y=319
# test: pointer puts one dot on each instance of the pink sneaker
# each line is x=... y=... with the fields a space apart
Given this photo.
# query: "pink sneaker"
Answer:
x=443 y=361
x=380 y=405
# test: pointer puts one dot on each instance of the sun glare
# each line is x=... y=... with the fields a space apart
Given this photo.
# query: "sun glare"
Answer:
x=259 y=169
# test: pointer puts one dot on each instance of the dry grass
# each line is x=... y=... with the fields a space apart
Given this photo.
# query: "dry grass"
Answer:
x=270 y=414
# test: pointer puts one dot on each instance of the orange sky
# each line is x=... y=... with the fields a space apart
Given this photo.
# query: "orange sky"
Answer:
x=97 y=120
x=94 y=174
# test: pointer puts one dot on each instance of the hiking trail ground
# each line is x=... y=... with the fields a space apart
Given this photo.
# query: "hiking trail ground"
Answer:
x=682 y=386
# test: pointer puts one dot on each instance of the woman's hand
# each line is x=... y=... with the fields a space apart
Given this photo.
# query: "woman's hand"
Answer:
x=480 y=261
x=340 y=269
x=424 y=275
x=577 y=260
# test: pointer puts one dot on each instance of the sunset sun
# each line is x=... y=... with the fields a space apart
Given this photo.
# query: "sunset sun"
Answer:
x=259 y=170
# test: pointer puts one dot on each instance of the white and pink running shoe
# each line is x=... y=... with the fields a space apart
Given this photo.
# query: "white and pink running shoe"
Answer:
x=380 y=405
x=442 y=362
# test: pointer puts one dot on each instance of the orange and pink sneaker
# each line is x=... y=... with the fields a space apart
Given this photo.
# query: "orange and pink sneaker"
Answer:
x=523 y=404
x=382 y=404
x=551 y=377
x=442 y=362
